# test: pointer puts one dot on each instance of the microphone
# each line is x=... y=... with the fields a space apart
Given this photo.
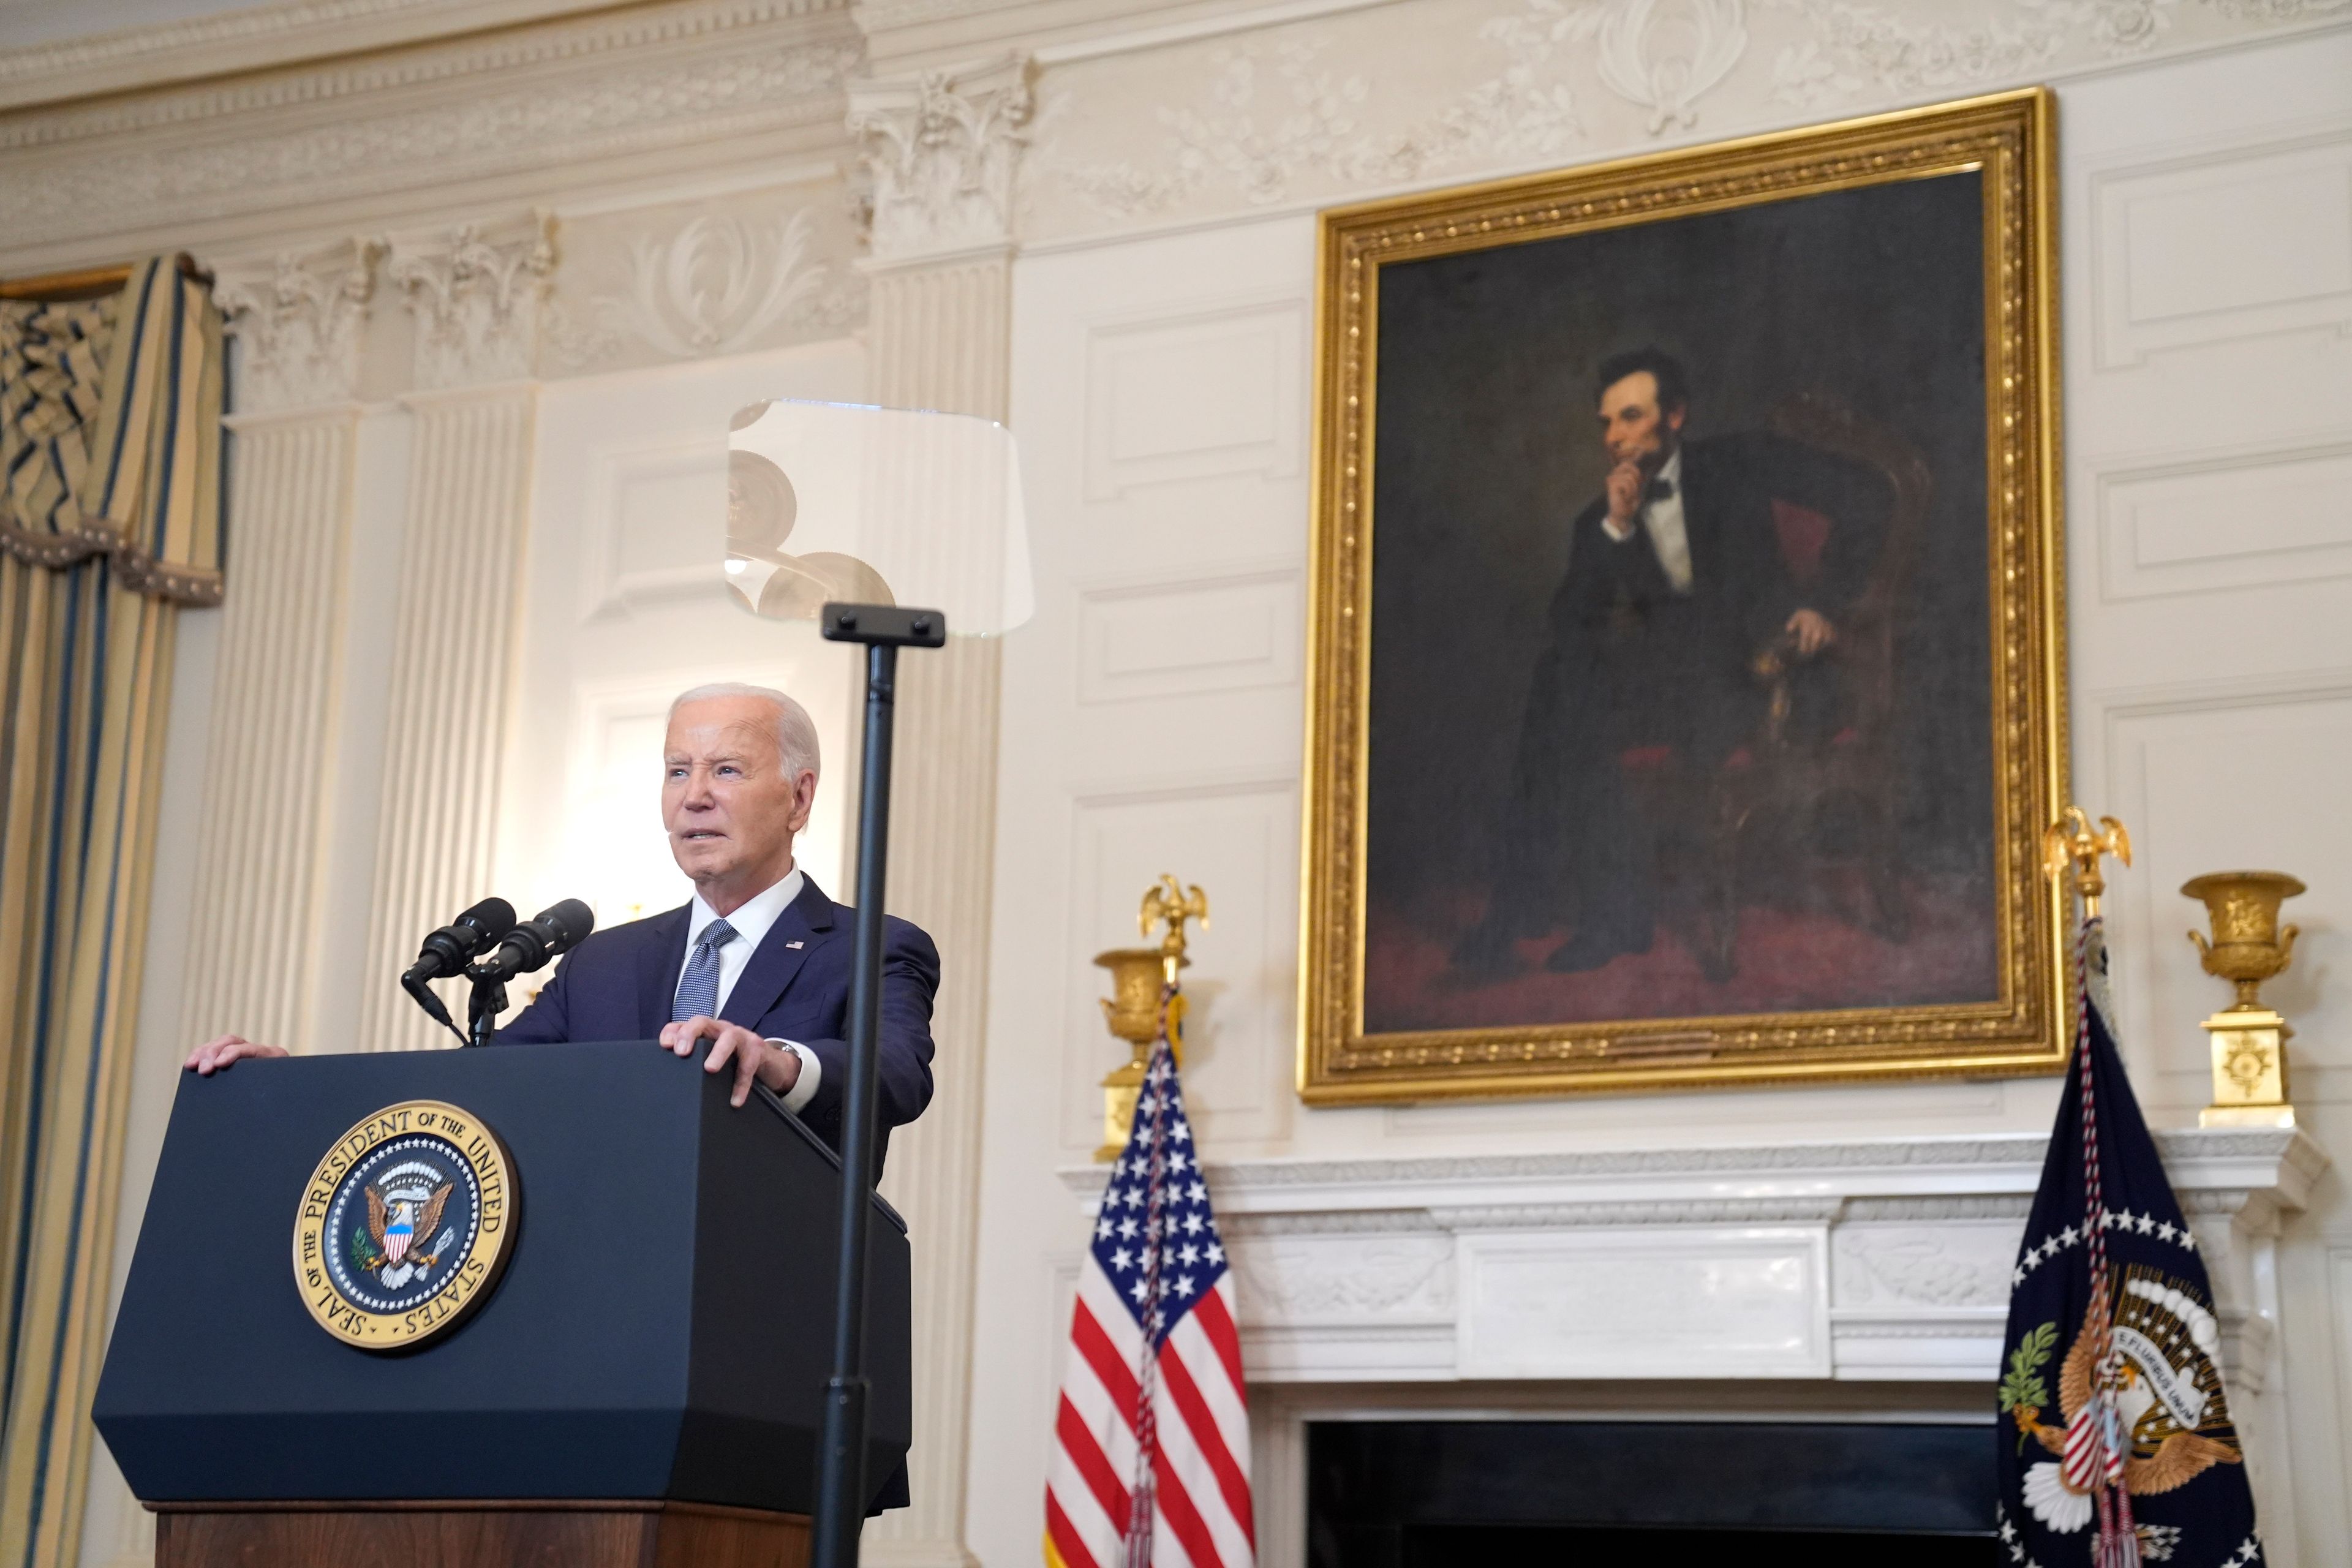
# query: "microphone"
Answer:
x=530 y=945
x=444 y=952
x=447 y=951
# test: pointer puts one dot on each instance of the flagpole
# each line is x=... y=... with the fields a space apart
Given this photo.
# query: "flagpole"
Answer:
x=2095 y=1447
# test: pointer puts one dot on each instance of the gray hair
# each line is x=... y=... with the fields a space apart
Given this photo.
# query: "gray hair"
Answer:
x=795 y=730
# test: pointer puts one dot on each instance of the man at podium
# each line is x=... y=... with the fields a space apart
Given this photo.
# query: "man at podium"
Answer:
x=759 y=963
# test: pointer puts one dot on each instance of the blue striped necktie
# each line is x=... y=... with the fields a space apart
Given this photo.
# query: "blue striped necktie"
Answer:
x=697 y=988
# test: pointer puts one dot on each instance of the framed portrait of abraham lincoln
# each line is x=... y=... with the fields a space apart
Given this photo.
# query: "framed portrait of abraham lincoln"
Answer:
x=1686 y=668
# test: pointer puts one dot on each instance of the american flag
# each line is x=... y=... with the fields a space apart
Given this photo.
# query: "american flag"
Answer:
x=1150 y=1464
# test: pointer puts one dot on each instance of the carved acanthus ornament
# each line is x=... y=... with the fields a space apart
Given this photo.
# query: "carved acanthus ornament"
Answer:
x=299 y=322
x=718 y=284
x=942 y=149
x=477 y=296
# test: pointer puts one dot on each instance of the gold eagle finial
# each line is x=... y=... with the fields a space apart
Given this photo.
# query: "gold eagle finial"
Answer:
x=1171 y=904
x=2072 y=844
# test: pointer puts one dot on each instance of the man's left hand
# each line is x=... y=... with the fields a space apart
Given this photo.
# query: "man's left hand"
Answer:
x=1812 y=631
x=752 y=1056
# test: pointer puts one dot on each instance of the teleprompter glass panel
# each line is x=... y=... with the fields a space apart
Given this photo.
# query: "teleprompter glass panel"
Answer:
x=848 y=503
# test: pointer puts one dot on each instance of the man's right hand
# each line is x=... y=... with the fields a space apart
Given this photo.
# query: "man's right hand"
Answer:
x=214 y=1055
x=1626 y=487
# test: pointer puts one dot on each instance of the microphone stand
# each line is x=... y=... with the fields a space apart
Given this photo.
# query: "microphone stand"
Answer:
x=841 y=1450
x=482 y=1009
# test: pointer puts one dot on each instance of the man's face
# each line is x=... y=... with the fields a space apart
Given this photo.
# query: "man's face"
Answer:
x=729 y=804
x=1633 y=428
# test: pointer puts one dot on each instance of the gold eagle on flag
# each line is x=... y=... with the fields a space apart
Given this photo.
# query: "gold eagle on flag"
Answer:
x=2168 y=1393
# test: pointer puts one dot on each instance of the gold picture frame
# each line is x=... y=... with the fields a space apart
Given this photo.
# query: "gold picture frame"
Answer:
x=2018 y=1024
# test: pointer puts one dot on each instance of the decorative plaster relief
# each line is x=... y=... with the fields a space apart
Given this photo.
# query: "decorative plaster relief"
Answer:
x=720 y=281
x=477 y=295
x=941 y=149
x=1927 y=1265
x=298 y=322
x=1298 y=1280
x=1855 y=51
x=1663 y=55
x=1289 y=115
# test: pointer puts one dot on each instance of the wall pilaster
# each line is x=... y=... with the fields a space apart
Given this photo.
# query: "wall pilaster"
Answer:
x=253 y=949
x=941 y=153
x=475 y=296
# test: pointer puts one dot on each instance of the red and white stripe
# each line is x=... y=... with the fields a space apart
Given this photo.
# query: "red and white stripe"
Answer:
x=1200 y=1488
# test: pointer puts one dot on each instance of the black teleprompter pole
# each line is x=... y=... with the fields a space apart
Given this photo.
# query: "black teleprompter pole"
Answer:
x=841 y=1487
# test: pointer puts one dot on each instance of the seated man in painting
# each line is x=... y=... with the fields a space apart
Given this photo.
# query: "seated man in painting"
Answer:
x=1678 y=592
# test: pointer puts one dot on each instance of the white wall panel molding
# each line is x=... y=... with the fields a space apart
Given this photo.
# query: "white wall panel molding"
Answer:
x=1141 y=638
x=2222 y=245
x=2211 y=777
x=468 y=510
x=637 y=493
x=253 y=958
x=1236 y=834
x=2247 y=517
x=1209 y=391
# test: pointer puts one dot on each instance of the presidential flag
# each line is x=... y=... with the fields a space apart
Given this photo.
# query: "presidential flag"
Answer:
x=1151 y=1459
x=2115 y=1441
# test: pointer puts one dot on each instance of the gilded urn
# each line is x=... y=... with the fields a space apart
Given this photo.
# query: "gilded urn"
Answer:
x=2249 y=945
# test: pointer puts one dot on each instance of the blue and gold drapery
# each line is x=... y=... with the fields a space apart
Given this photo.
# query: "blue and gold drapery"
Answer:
x=109 y=519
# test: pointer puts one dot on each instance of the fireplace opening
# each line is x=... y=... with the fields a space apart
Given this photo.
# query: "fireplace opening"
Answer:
x=1417 y=1494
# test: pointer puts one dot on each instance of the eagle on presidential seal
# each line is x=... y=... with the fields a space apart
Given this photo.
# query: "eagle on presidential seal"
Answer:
x=403 y=1211
x=2172 y=1408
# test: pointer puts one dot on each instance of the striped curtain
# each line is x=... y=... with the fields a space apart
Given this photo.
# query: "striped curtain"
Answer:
x=109 y=519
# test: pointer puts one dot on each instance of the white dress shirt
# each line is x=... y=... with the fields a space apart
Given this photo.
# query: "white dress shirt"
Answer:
x=751 y=923
x=1662 y=518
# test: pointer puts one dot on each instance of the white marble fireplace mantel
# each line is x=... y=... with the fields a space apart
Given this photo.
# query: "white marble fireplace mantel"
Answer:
x=1878 y=1260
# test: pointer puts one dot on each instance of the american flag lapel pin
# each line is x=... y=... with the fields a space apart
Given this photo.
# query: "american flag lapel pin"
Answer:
x=795 y=944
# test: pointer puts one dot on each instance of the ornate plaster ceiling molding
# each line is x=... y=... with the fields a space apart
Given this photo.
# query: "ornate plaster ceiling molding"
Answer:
x=941 y=149
x=705 y=73
x=722 y=26
x=261 y=36
x=299 y=322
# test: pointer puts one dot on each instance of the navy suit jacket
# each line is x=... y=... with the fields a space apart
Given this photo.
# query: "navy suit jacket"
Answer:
x=619 y=984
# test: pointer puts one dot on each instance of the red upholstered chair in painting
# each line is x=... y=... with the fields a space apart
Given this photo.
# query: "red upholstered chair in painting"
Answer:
x=1773 y=790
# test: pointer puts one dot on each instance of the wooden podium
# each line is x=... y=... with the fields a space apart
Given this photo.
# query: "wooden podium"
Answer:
x=642 y=1385
x=463 y=1535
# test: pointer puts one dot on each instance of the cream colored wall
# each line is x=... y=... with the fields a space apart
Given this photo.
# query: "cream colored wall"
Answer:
x=1151 y=717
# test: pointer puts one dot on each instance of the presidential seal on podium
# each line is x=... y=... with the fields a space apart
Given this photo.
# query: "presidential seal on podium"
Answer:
x=405 y=1225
